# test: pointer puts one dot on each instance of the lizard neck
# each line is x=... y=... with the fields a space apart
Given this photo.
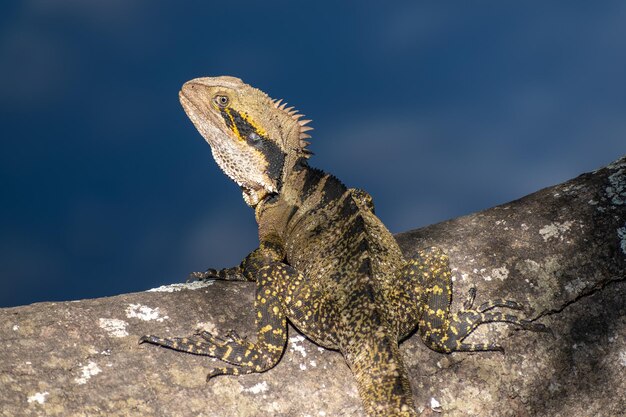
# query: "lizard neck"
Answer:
x=304 y=189
x=271 y=209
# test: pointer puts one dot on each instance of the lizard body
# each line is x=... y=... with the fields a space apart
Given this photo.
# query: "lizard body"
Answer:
x=325 y=262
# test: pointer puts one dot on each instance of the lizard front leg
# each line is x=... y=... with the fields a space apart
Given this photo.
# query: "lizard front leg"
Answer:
x=311 y=310
x=247 y=270
x=246 y=357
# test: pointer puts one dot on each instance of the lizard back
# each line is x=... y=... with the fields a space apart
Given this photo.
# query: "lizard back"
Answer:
x=334 y=238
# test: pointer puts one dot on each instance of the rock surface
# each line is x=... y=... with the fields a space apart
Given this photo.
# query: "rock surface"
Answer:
x=561 y=250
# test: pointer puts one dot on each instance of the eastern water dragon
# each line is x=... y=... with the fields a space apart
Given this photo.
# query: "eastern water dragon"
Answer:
x=325 y=262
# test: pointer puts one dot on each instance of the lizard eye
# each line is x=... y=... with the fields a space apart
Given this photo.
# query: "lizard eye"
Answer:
x=221 y=101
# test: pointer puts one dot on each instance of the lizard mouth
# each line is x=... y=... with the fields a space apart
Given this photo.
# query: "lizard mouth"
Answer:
x=193 y=108
x=236 y=160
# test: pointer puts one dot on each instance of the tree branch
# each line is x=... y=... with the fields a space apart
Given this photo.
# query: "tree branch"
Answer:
x=561 y=250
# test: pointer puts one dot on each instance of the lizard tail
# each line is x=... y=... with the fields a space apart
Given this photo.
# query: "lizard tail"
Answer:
x=381 y=378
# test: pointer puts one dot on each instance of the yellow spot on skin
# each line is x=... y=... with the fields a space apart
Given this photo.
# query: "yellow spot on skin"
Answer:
x=274 y=348
x=233 y=124
x=229 y=350
x=276 y=310
x=266 y=329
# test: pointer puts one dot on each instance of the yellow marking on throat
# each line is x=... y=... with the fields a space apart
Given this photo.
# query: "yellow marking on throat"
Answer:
x=259 y=130
x=233 y=124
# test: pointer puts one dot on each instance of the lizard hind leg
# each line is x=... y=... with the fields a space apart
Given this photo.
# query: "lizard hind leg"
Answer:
x=445 y=332
x=463 y=323
x=246 y=357
x=448 y=335
x=471 y=295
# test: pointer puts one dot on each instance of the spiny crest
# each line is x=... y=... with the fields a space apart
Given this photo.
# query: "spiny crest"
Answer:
x=303 y=136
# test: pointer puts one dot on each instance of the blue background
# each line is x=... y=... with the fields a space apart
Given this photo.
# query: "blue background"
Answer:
x=438 y=110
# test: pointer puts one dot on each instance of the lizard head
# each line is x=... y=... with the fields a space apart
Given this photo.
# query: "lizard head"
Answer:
x=252 y=137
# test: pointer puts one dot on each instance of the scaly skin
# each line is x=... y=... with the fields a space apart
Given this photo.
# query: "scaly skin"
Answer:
x=325 y=262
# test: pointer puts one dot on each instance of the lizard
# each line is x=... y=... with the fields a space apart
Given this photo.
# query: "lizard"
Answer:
x=325 y=262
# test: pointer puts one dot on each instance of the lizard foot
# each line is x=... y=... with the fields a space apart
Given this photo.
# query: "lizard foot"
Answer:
x=211 y=274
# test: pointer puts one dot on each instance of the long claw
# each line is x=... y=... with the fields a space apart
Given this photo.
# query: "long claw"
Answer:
x=514 y=305
x=211 y=338
x=234 y=336
x=469 y=301
x=222 y=371
x=155 y=340
x=536 y=327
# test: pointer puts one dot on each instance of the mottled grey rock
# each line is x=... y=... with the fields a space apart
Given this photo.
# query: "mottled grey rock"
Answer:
x=561 y=250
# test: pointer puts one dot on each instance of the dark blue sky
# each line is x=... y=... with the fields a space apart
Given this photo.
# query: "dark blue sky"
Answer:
x=438 y=110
